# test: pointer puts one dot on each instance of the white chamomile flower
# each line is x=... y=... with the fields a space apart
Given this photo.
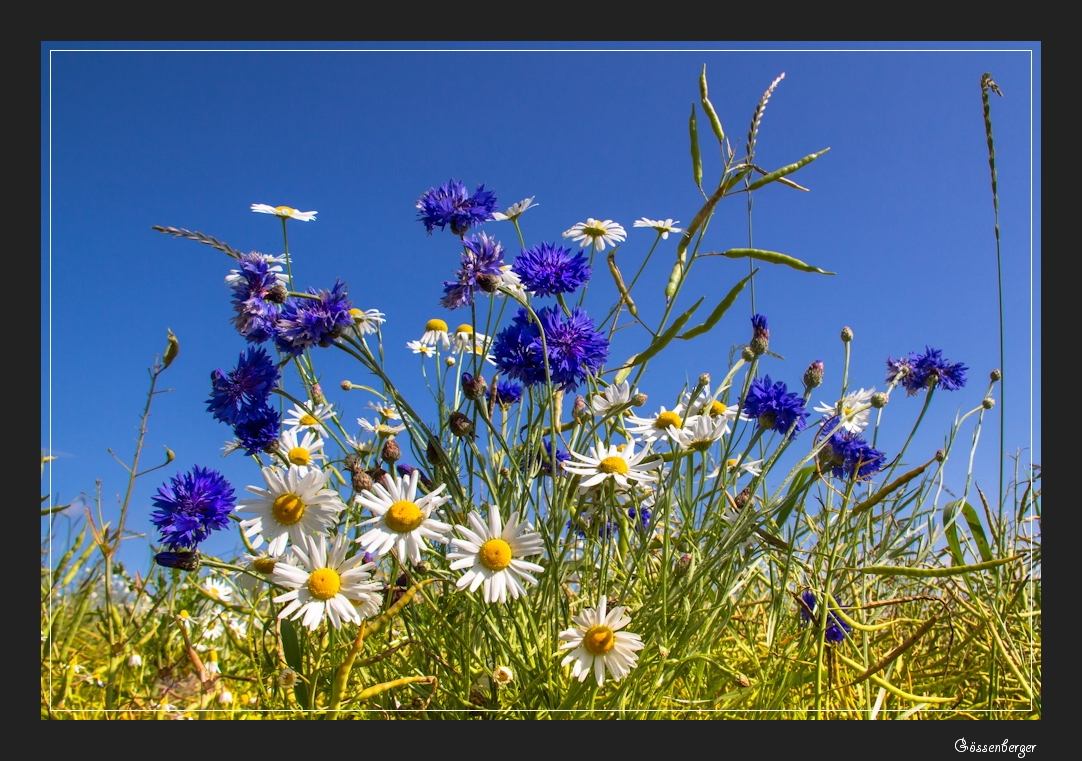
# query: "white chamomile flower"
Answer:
x=706 y=403
x=469 y=341
x=491 y=555
x=597 y=644
x=388 y=411
x=600 y=234
x=285 y=212
x=618 y=462
x=510 y=280
x=660 y=426
x=611 y=396
x=219 y=589
x=260 y=570
x=700 y=432
x=276 y=262
x=421 y=348
x=230 y=447
x=733 y=465
x=326 y=586
x=363 y=447
x=381 y=429
x=436 y=334
x=402 y=520
x=515 y=210
x=664 y=228
x=503 y=676
x=367 y=321
x=301 y=450
x=295 y=503
x=299 y=417
x=852 y=420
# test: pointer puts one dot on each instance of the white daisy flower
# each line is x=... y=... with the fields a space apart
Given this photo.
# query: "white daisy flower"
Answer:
x=363 y=447
x=219 y=589
x=285 y=211
x=491 y=555
x=619 y=462
x=515 y=210
x=509 y=279
x=299 y=417
x=700 y=432
x=235 y=276
x=294 y=504
x=301 y=450
x=327 y=586
x=468 y=340
x=135 y=660
x=262 y=565
x=402 y=521
x=854 y=410
x=503 y=676
x=706 y=403
x=436 y=334
x=381 y=429
x=733 y=464
x=367 y=321
x=597 y=644
x=385 y=410
x=610 y=397
x=664 y=228
x=660 y=426
x=600 y=234
x=421 y=348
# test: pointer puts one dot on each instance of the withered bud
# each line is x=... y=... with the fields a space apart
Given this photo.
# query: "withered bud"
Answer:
x=361 y=480
x=473 y=388
x=488 y=283
x=638 y=400
x=377 y=474
x=432 y=453
x=277 y=294
x=940 y=455
x=847 y=334
x=352 y=462
x=683 y=564
x=704 y=380
x=813 y=376
x=450 y=361
x=391 y=451
x=743 y=498
x=346 y=385
x=459 y=424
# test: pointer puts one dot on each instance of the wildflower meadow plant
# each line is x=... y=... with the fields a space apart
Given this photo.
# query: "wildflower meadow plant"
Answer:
x=524 y=539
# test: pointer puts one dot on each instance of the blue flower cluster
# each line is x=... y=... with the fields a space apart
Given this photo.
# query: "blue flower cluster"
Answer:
x=573 y=347
x=192 y=505
x=775 y=407
x=256 y=298
x=450 y=205
x=506 y=393
x=548 y=269
x=927 y=370
x=307 y=322
x=847 y=455
x=837 y=629
x=482 y=260
x=239 y=399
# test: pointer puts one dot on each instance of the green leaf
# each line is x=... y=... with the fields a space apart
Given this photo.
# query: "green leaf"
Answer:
x=977 y=530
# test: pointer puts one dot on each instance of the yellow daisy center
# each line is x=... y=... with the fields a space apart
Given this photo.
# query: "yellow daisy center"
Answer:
x=404 y=516
x=717 y=408
x=307 y=419
x=613 y=465
x=324 y=583
x=284 y=211
x=264 y=566
x=666 y=419
x=299 y=456
x=436 y=325
x=594 y=232
x=732 y=462
x=495 y=554
x=599 y=640
x=464 y=329
x=288 y=509
x=847 y=410
x=356 y=314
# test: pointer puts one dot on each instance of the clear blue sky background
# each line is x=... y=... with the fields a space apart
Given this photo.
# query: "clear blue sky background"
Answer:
x=900 y=208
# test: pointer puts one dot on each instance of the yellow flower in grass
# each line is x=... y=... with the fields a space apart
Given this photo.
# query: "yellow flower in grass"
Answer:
x=598 y=645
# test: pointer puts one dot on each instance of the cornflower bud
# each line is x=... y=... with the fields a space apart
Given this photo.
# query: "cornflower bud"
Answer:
x=361 y=480
x=813 y=376
x=879 y=400
x=683 y=564
x=459 y=424
x=473 y=388
x=391 y=451
x=760 y=337
x=747 y=354
x=847 y=334
x=996 y=375
x=346 y=385
x=352 y=462
x=988 y=403
x=317 y=394
x=638 y=400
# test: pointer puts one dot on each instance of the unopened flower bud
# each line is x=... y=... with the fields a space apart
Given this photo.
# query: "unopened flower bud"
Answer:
x=459 y=424
x=377 y=474
x=743 y=498
x=346 y=385
x=638 y=400
x=940 y=455
x=747 y=354
x=760 y=338
x=578 y=410
x=473 y=388
x=847 y=334
x=996 y=375
x=352 y=462
x=704 y=379
x=422 y=567
x=317 y=395
x=879 y=400
x=361 y=480
x=488 y=283
x=277 y=293
x=432 y=453
x=683 y=564
x=391 y=451
x=813 y=376
x=988 y=403
x=450 y=361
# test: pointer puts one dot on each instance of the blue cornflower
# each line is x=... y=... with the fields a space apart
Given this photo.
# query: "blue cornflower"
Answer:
x=260 y=431
x=760 y=335
x=235 y=397
x=775 y=407
x=605 y=529
x=481 y=263
x=191 y=506
x=507 y=393
x=848 y=455
x=548 y=269
x=258 y=294
x=920 y=371
x=575 y=349
x=644 y=514
x=407 y=470
x=309 y=322
x=449 y=205
x=837 y=629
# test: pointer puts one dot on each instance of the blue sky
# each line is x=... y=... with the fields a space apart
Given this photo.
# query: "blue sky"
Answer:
x=135 y=135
